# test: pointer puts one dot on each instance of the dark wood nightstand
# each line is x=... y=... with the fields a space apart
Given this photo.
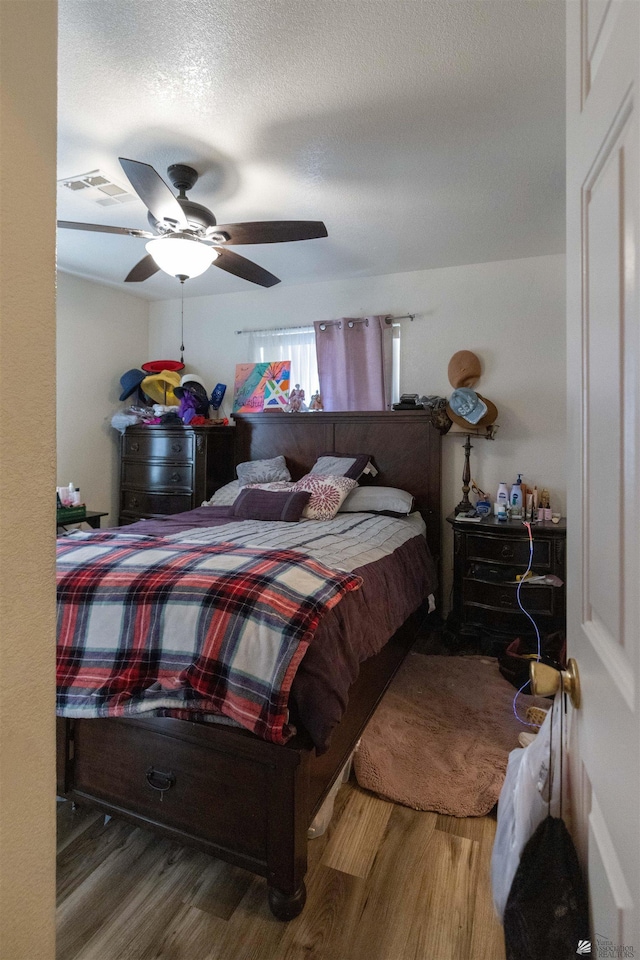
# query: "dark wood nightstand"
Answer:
x=487 y=556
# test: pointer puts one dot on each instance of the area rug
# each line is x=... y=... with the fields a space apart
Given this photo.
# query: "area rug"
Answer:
x=441 y=735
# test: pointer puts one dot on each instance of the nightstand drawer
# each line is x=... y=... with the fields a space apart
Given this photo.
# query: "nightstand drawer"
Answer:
x=512 y=551
x=503 y=596
x=169 y=446
x=157 y=476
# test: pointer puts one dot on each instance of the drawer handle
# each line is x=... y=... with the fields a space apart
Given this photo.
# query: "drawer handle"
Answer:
x=135 y=446
x=505 y=600
x=176 y=447
x=160 y=781
x=175 y=477
x=507 y=551
x=133 y=502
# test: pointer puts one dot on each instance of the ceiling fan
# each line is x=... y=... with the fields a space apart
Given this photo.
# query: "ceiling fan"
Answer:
x=187 y=240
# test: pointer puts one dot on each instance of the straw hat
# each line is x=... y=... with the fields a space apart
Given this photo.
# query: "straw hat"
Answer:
x=464 y=369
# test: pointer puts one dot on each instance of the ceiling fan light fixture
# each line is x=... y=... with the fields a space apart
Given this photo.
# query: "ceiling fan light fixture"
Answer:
x=180 y=256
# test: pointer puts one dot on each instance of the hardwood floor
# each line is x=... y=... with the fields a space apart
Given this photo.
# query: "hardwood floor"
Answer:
x=384 y=883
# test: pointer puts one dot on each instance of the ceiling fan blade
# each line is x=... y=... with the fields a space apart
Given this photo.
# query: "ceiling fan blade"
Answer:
x=154 y=192
x=272 y=231
x=241 y=267
x=144 y=269
x=102 y=228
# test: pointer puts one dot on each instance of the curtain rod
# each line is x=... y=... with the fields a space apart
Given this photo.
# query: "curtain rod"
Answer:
x=308 y=326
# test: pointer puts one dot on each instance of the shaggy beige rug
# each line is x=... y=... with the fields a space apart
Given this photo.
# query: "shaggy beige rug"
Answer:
x=441 y=735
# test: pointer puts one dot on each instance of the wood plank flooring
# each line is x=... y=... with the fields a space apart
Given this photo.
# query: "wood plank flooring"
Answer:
x=384 y=883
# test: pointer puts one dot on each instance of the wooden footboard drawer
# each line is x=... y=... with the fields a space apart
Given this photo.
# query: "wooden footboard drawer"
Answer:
x=174 y=782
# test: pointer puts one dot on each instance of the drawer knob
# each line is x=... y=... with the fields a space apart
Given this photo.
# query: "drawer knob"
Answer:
x=133 y=502
x=160 y=781
x=135 y=446
x=176 y=447
x=175 y=477
x=505 y=600
x=507 y=551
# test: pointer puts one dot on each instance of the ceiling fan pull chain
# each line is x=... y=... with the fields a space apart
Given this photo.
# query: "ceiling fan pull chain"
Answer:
x=182 y=322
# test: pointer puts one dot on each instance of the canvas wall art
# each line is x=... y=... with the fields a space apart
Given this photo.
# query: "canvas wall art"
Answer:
x=261 y=386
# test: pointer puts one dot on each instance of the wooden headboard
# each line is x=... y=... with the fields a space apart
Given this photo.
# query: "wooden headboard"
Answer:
x=403 y=444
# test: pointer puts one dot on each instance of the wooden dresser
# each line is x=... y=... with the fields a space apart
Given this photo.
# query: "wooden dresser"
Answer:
x=172 y=468
x=487 y=557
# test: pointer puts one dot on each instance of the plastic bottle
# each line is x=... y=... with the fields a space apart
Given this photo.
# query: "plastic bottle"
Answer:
x=516 y=496
x=71 y=492
x=502 y=497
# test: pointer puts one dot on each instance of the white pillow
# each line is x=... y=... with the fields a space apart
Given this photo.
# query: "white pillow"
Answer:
x=378 y=500
x=224 y=496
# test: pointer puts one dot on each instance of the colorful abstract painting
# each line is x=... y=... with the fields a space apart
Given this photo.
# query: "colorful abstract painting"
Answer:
x=261 y=386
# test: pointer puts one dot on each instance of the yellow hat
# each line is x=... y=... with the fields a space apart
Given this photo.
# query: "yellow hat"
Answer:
x=159 y=386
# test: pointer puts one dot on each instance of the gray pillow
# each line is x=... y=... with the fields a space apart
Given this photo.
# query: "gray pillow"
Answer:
x=263 y=471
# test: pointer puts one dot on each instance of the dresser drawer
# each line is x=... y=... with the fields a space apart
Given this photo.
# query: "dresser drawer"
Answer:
x=157 y=476
x=140 y=504
x=161 y=446
x=512 y=551
x=541 y=599
x=194 y=777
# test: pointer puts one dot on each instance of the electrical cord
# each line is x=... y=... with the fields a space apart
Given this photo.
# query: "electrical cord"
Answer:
x=523 y=579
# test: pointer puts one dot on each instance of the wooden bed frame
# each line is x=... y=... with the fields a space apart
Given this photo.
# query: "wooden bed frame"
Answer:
x=220 y=788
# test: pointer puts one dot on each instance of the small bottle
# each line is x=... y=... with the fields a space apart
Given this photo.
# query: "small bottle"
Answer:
x=503 y=495
x=77 y=502
x=71 y=490
x=516 y=497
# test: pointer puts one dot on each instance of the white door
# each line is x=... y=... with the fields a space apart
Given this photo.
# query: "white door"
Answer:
x=603 y=581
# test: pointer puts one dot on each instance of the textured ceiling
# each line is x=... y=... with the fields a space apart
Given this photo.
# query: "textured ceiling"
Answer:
x=424 y=133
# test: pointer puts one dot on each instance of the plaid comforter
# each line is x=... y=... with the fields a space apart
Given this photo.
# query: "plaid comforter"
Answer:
x=149 y=625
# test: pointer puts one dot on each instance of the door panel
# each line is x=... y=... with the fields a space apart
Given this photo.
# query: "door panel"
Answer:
x=603 y=582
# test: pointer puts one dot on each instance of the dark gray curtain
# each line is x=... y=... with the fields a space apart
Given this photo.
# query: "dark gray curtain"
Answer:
x=354 y=363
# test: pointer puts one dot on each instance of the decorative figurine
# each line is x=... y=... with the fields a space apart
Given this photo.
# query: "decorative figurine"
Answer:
x=316 y=402
x=296 y=399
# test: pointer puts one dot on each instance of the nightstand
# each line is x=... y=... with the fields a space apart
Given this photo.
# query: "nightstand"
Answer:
x=487 y=556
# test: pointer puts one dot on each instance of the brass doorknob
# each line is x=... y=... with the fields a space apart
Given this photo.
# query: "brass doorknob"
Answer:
x=545 y=680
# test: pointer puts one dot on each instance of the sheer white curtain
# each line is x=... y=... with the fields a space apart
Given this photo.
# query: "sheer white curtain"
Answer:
x=297 y=345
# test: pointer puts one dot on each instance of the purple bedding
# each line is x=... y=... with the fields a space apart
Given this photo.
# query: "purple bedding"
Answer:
x=355 y=629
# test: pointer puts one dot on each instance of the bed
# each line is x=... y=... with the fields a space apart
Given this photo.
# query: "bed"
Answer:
x=220 y=787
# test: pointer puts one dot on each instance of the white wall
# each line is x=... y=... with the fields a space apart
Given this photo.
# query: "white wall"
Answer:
x=28 y=58
x=511 y=313
x=101 y=333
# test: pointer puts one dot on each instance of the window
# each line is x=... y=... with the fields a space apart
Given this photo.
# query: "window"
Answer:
x=298 y=344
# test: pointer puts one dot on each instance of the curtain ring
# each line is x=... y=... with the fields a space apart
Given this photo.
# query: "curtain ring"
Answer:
x=323 y=326
x=366 y=321
x=350 y=324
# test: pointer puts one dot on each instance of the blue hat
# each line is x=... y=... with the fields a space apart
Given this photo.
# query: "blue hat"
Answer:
x=130 y=381
x=467 y=404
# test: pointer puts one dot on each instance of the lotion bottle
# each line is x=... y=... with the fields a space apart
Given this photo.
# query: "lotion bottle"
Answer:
x=502 y=498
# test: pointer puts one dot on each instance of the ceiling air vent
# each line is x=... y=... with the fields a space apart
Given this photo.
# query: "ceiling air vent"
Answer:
x=98 y=188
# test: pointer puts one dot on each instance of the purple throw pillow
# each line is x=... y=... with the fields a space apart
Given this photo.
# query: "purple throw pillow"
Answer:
x=252 y=504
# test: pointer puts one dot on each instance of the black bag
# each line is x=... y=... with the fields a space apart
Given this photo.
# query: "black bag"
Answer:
x=514 y=660
x=547 y=915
